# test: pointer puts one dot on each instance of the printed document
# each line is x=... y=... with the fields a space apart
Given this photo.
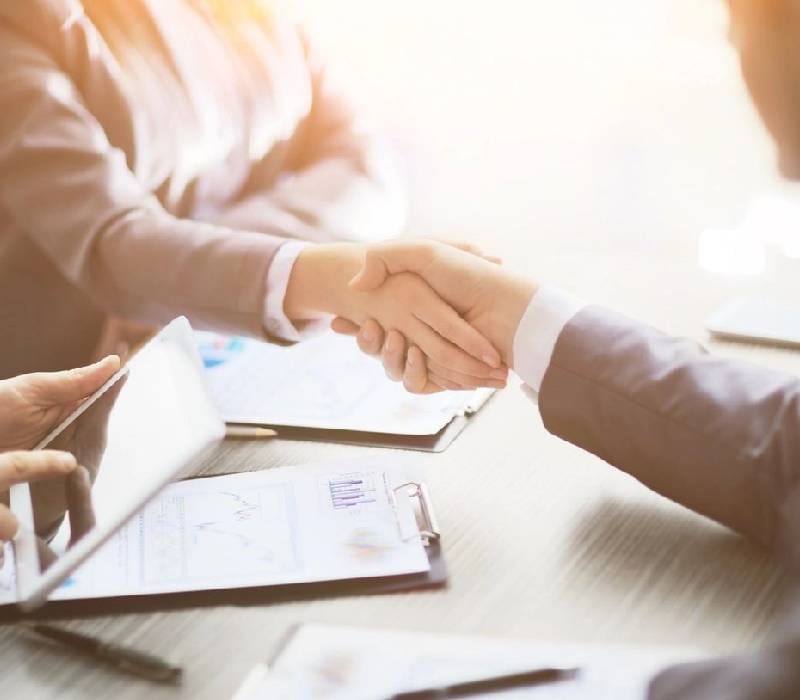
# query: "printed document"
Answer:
x=279 y=526
x=346 y=663
x=323 y=383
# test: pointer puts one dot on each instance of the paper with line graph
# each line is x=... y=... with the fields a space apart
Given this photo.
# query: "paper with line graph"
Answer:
x=287 y=525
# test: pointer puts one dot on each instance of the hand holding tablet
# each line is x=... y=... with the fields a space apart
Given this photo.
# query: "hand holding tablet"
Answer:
x=30 y=406
x=26 y=466
x=141 y=428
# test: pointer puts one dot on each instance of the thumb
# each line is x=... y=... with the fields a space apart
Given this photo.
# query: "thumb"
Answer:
x=387 y=259
x=372 y=275
x=53 y=388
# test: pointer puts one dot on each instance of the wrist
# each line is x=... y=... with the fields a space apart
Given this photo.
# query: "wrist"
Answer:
x=505 y=310
x=318 y=284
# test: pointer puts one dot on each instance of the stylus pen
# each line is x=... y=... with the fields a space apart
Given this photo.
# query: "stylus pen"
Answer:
x=526 y=679
x=122 y=658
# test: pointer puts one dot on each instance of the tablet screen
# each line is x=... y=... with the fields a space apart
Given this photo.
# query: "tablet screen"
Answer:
x=142 y=431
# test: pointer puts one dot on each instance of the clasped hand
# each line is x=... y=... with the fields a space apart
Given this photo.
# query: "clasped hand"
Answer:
x=487 y=298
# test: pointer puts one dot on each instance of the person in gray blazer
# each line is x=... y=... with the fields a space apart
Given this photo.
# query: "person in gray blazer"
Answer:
x=719 y=436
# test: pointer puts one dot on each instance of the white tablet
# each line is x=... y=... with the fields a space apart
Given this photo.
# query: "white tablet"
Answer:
x=757 y=320
x=142 y=429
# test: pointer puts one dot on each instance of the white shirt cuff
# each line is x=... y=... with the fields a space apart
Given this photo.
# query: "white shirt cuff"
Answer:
x=537 y=334
x=275 y=321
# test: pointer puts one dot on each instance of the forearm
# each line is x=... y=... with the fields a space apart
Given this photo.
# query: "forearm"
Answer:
x=318 y=285
x=149 y=267
x=718 y=436
x=70 y=191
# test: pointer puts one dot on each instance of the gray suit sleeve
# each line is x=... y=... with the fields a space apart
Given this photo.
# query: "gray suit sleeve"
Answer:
x=718 y=436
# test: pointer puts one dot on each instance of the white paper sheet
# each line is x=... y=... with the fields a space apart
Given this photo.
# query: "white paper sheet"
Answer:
x=338 y=663
x=287 y=525
x=324 y=382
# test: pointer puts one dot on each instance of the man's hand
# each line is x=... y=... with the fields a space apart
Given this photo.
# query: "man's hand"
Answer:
x=33 y=404
x=489 y=298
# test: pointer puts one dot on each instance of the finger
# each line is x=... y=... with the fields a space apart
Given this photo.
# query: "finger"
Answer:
x=19 y=467
x=444 y=319
x=389 y=258
x=47 y=557
x=433 y=328
x=473 y=249
x=464 y=381
x=9 y=525
x=394 y=355
x=444 y=352
x=53 y=388
x=343 y=326
x=79 y=504
x=445 y=384
x=371 y=338
x=415 y=374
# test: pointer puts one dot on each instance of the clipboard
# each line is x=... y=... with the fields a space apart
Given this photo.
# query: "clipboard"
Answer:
x=435 y=578
x=322 y=391
x=436 y=443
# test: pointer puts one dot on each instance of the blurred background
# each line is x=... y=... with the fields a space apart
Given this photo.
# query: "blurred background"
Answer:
x=575 y=138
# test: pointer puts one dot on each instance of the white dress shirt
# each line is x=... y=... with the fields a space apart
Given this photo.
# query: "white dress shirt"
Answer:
x=549 y=311
x=276 y=322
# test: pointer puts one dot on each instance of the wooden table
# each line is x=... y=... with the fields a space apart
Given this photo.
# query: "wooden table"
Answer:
x=543 y=542
x=605 y=195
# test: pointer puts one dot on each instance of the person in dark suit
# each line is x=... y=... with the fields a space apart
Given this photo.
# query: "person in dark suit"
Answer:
x=719 y=436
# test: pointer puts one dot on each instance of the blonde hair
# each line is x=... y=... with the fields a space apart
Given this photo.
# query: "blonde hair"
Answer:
x=130 y=33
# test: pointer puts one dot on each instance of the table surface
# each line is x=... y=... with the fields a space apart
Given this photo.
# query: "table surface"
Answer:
x=543 y=541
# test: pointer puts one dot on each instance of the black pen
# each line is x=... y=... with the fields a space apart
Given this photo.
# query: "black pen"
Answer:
x=488 y=685
x=122 y=658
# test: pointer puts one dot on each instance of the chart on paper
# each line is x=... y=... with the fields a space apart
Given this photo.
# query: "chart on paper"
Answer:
x=279 y=526
x=351 y=490
x=219 y=534
x=320 y=383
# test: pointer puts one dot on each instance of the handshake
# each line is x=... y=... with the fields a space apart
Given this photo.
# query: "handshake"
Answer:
x=438 y=316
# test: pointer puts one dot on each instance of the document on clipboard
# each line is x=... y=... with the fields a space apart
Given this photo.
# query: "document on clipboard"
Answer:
x=282 y=528
x=323 y=388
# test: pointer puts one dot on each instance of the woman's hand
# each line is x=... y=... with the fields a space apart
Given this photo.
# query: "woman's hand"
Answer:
x=320 y=285
x=33 y=404
x=19 y=467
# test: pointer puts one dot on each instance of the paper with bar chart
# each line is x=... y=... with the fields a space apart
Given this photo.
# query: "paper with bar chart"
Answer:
x=279 y=526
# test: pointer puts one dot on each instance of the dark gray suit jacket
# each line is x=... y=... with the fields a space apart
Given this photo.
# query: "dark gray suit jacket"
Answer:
x=718 y=436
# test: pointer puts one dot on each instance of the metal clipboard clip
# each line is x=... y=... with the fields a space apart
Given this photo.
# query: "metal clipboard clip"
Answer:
x=429 y=527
